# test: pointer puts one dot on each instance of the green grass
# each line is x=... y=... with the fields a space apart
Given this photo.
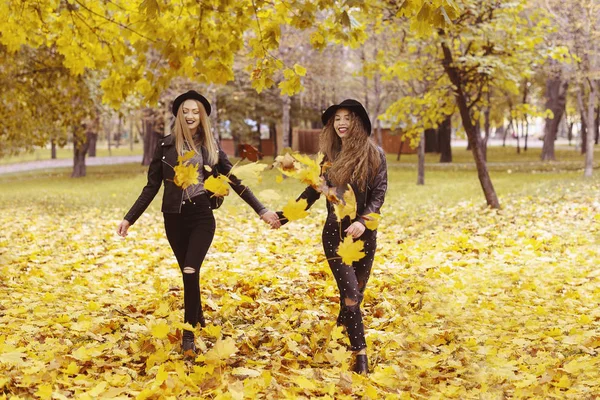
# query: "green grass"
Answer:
x=116 y=187
x=39 y=154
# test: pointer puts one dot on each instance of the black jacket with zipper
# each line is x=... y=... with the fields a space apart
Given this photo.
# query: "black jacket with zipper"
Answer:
x=161 y=171
x=367 y=201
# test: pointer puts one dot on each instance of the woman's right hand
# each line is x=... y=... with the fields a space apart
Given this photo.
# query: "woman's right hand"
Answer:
x=123 y=227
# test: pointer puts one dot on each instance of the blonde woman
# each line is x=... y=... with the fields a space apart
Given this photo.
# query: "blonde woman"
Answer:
x=356 y=160
x=188 y=216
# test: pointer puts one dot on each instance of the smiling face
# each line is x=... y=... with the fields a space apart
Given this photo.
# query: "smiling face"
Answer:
x=191 y=114
x=341 y=122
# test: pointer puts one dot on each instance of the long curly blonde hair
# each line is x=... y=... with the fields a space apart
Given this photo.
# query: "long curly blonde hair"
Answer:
x=355 y=160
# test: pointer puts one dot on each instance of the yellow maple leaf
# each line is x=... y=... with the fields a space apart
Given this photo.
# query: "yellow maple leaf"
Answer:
x=222 y=350
x=351 y=250
x=217 y=185
x=160 y=330
x=372 y=220
x=186 y=175
x=295 y=209
x=186 y=156
x=44 y=392
x=249 y=172
x=347 y=207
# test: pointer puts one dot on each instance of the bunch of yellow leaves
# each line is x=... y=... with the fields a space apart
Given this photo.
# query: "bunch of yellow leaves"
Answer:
x=301 y=167
x=218 y=185
x=186 y=174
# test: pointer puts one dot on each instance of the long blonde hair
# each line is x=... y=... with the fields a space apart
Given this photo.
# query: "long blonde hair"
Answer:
x=355 y=160
x=183 y=136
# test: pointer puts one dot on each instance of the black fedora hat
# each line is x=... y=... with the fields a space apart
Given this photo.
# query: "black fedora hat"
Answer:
x=190 y=95
x=353 y=106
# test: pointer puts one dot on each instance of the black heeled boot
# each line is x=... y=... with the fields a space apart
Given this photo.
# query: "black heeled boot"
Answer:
x=361 y=365
x=188 y=342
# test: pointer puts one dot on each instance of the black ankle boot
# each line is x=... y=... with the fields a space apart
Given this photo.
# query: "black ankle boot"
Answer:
x=187 y=342
x=201 y=320
x=361 y=365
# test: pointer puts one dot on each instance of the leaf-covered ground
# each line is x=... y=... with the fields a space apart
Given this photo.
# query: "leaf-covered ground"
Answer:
x=463 y=303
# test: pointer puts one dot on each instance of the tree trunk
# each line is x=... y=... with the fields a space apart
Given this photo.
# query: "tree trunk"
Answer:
x=80 y=148
x=556 y=100
x=285 y=120
x=53 y=149
x=486 y=125
x=445 y=140
x=131 y=134
x=214 y=115
x=273 y=137
x=431 y=141
x=591 y=111
x=400 y=149
x=151 y=138
x=259 y=140
x=584 y=129
x=597 y=126
x=474 y=139
x=108 y=138
x=421 y=164
x=526 y=134
x=570 y=132
x=92 y=140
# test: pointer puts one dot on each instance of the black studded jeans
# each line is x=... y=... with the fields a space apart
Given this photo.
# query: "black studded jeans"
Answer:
x=351 y=280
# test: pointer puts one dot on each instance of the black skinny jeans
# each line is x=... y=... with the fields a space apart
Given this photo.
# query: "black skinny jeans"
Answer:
x=190 y=234
x=351 y=280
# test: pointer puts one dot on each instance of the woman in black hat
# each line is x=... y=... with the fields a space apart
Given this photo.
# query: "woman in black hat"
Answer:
x=188 y=216
x=356 y=160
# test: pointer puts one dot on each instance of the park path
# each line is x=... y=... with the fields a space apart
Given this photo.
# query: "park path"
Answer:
x=66 y=162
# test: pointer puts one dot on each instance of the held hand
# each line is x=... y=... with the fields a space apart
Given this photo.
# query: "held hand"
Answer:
x=355 y=230
x=272 y=219
x=123 y=227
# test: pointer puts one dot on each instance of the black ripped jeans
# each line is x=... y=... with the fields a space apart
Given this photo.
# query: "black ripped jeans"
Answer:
x=351 y=280
x=190 y=234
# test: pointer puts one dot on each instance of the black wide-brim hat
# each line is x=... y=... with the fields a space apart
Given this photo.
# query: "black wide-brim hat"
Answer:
x=190 y=95
x=353 y=106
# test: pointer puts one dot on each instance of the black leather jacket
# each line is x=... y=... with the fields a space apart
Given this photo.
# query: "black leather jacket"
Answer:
x=161 y=170
x=367 y=202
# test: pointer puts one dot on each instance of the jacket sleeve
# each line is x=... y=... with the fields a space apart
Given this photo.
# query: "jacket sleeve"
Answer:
x=378 y=189
x=310 y=194
x=236 y=184
x=149 y=191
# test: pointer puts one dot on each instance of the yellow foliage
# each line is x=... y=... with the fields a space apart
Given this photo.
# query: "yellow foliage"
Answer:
x=347 y=207
x=351 y=250
x=295 y=210
x=186 y=175
x=217 y=185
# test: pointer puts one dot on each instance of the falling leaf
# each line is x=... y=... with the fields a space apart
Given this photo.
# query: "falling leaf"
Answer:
x=372 y=220
x=249 y=173
x=285 y=162
x=347 y=208
x=186 y=175
x=249 y=152
x=351 y=250
x=217 y=185
x=295 y=210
